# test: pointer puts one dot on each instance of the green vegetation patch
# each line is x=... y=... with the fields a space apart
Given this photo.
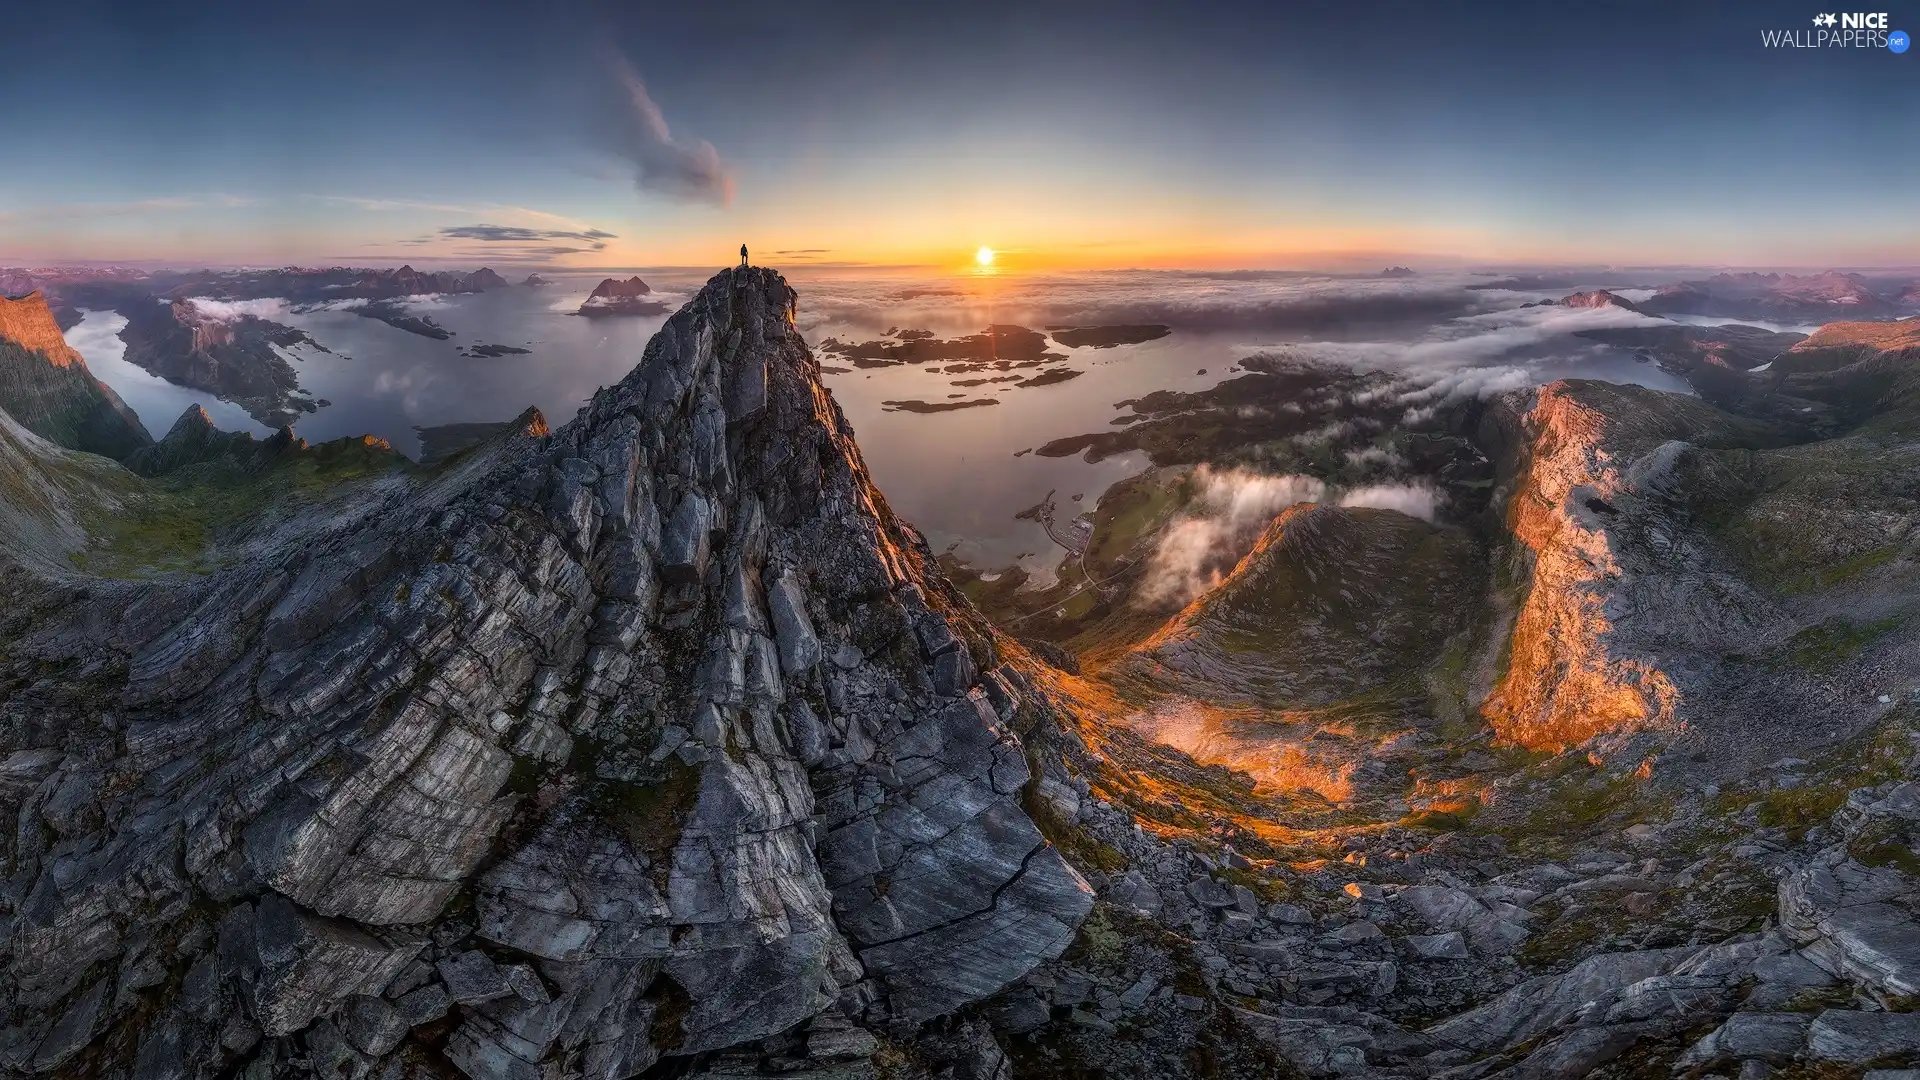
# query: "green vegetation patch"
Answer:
x=1836 y=641
x=1886 y=843
x=181 y=521
x=651 y=815
x=1079 y=847
x=1133 y=510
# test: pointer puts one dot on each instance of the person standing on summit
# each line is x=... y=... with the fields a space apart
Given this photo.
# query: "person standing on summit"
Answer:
x=743 y=256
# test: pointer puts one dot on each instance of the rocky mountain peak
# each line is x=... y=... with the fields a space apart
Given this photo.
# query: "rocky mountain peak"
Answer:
x=614 y=287
x=1599 y=298
x=616 y=297
x=660 y=720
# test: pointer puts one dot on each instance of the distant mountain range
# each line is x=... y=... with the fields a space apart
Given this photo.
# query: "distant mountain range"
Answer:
x=237 y=357
x=1811 y=296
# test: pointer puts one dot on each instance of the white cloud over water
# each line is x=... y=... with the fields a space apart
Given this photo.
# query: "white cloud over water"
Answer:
x=1230 y=510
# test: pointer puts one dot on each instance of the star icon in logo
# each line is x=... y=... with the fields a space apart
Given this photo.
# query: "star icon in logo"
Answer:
x=1826 y=20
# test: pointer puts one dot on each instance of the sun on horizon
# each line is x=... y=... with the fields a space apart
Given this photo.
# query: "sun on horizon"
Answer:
x=984 y=256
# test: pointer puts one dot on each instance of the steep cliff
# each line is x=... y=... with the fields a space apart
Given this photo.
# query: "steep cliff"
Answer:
x=654 y=735
x=1678 y=567
x=45 y=385
x=1608 y=595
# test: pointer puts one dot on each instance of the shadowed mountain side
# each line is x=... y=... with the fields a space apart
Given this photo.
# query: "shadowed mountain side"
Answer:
x=442 y=441
x=46 y=387
x=191 y=440
x=1864 y=373
x=44 y=490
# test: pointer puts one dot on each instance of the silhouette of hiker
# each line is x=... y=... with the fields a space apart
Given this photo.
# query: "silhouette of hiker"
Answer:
x=743 y=256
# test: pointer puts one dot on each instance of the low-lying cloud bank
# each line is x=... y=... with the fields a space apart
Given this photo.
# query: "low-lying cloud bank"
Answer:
x=276 y=309
x=1189 y=302
x=1472 y=340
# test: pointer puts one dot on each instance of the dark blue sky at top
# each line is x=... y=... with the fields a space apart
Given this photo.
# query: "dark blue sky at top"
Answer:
x=1525 y=120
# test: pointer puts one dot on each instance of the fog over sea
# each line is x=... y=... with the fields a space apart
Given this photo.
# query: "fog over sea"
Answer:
x=953 y=474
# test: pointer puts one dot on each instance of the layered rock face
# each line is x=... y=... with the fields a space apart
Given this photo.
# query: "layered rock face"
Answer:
x=651 y=736
x=45 y=385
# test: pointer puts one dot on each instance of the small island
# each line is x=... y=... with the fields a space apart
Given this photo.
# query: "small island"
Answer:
x=395 y=314
x=935 y=407
x=1001 y=347
x=494 y=350
x=616 y=297
x=1049 y=377
x=535 y=281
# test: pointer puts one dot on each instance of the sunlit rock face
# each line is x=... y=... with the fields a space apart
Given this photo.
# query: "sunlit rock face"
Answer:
x=1569 y=678
x=652 y=735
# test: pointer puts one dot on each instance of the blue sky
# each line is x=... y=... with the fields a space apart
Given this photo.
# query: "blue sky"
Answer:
x=1062 y=134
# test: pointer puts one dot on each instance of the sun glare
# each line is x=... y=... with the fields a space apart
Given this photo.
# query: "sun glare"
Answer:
x=984 y=256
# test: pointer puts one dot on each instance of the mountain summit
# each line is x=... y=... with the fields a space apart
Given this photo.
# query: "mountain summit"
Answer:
x=651 y=736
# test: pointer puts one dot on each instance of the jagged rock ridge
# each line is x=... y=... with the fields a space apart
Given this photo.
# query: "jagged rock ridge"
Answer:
x=652 y=736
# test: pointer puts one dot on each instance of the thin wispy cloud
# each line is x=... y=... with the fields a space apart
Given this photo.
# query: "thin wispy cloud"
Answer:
x=635 y=129
x=524 y=240
x=514 y=232
x=495 y=211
